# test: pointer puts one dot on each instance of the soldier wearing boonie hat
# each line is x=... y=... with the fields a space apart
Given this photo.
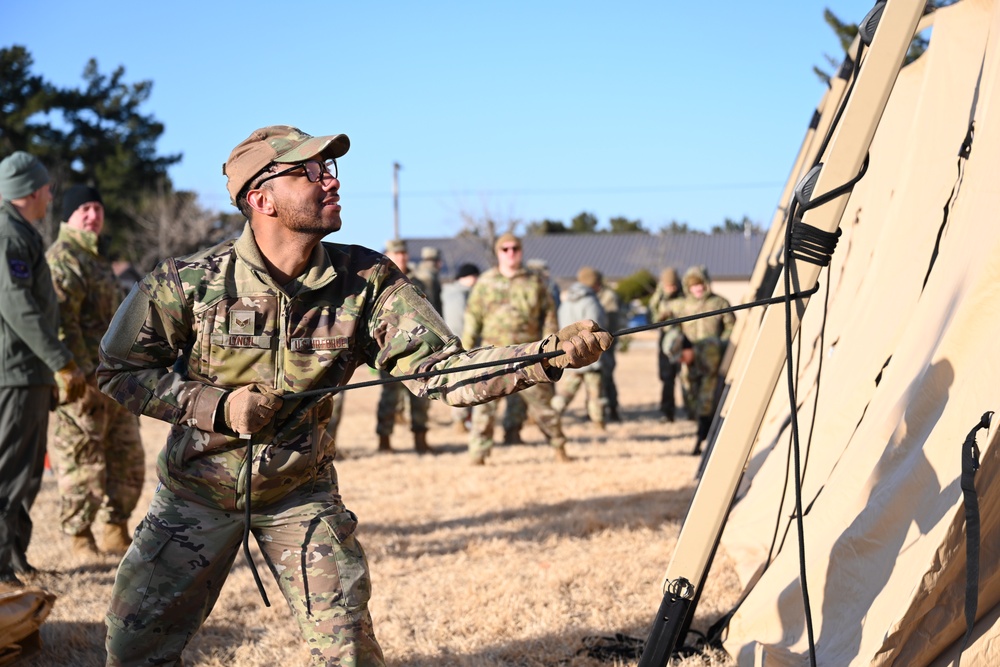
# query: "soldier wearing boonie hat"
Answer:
x=32 y=355
x=239 y=347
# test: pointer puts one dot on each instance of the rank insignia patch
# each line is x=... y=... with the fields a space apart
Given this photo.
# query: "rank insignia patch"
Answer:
x=241 y=321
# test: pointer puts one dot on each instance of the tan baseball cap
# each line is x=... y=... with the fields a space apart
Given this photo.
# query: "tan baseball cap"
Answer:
x=277 y=143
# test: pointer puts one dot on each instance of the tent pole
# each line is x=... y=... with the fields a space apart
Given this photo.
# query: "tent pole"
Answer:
x=842 y=161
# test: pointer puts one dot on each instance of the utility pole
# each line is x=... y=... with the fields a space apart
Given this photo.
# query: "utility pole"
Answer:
x=395 y=199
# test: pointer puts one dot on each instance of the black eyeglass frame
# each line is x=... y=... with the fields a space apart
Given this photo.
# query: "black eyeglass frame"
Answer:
x=324 y=168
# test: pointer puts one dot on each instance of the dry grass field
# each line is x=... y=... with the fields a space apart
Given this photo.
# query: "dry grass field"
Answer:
x=513 y=563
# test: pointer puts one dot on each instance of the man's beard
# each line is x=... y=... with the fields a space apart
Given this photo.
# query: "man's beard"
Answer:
x=307 y=217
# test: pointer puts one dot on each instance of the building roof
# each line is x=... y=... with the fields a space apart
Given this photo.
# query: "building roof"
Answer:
x=726 y=256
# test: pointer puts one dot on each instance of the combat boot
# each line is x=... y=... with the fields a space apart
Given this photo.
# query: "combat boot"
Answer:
x=383 y=444
x=512 y=437
x=84 y=545
x=613 y=415
x=561 y=455
x=420 y=443
x=115 y=539
x=600 y=427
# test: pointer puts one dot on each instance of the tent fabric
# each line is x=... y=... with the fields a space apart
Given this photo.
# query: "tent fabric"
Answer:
x=907 y=370
x=22 y=612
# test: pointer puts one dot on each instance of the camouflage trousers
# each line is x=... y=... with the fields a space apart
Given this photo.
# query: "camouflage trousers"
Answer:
x=97 y=456
x=538 y=400
x=569 y=385
x=182 y=552
x=387 y=406
x=515 y=412
x=698 y=388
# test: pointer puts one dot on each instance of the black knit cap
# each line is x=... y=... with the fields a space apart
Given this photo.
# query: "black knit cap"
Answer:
x=467 y=269
x=77 y=196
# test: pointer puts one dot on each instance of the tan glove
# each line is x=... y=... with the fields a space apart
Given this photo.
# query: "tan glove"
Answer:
x=583 y=342
x=72 y=383
x=251 y=408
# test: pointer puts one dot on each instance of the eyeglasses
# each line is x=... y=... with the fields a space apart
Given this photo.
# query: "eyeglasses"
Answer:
x=315 y=171
x=510 y=248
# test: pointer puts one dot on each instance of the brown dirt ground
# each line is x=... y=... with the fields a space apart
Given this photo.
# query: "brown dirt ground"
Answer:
x=514 y=563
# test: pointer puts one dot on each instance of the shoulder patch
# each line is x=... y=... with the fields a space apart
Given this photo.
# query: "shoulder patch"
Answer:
x=19 y=269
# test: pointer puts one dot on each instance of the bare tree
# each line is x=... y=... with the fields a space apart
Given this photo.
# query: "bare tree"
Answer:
x=486 y=227
x=169 y=223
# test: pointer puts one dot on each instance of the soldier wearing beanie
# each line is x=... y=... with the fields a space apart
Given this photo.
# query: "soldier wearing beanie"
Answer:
x=96 y=451
x=33 y=356
x=240 y=347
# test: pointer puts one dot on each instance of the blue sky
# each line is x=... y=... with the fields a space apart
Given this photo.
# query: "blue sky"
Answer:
x=655 y=111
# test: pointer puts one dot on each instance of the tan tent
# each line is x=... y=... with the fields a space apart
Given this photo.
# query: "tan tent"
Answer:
x=22 y=612
x=893 y=374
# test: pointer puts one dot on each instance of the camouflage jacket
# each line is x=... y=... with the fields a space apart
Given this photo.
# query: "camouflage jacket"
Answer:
x=197 y=327
x=87 y=291
x=715 y=326
x=29 y=314
x=664 y=305
x=613 y=308
x=507 y=311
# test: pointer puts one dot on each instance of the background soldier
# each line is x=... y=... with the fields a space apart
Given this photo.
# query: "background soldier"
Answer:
x=429 y=272
x=394 y=393
x=507 y=306
x=96 y=451
x=454 y=296
x=663 y=305
x=275 y=313
x=580 y=302
x=31 y=355
x=615 y=311
x=708 y=336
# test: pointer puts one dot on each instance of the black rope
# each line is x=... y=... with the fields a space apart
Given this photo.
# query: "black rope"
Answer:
x=535 y=358
x=246 y=524
x=813 y=245
x=793 y=409
x=519 y=361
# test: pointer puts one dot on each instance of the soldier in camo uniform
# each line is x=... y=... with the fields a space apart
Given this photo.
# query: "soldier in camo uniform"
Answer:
x=96 y=451
x=224 y=342
x=394 y=393
x=615 y=310
x=664 y=302
x=510 y=305
x=708 y=336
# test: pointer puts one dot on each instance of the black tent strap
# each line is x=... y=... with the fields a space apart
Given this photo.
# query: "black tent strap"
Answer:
x=813 y=245
x=535 y=358
x=970 y=464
